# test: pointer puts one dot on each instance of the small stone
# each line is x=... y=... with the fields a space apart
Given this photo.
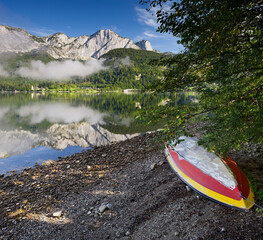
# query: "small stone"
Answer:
x=161 y=163
x=89 y=167
x=223 y=229
x=176 y=233
x=153 y=166
x=197 y=196
x=188 y=188
x=109 y=206
x=104 y=155
x=57 y=214
x=89 y=212
x=103 y=208
x=128 y=233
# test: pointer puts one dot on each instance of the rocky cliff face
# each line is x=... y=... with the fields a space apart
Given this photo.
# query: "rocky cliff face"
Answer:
x=145 y=45
x=17 y=40
x=84 y=47
x=60 y=45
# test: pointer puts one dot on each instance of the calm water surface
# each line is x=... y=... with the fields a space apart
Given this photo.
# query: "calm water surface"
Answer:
x=38 y=127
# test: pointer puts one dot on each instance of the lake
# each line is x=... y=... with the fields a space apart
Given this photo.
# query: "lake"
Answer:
x=38 y=127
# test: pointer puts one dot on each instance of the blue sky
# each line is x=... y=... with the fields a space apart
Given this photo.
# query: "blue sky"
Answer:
x=83 y=17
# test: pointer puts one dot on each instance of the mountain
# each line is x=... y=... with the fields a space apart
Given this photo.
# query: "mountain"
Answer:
x=59 y=45
x=17 y=40
x=144 y=45
x=86 y=46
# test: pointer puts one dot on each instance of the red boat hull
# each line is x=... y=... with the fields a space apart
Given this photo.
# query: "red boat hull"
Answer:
x=210 y=187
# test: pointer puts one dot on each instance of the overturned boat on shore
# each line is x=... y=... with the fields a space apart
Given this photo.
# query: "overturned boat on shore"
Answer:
x=218 y=179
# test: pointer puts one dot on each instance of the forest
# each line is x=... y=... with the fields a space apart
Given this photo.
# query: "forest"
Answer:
x=125 y=69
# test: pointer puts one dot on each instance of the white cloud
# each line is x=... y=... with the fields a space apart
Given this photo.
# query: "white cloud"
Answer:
x=126 y=122
x=126 y=61
x=3 y=111
x=59 y=112
x=147 y=17
x=64 y=70
x=152 y=35
x=146 y=35
x=42 y=32
x=3 y=72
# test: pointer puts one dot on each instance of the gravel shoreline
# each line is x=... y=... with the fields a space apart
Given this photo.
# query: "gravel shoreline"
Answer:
x=125 y=190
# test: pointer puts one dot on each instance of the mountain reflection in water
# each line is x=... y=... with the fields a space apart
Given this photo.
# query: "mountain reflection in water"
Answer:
x=29 y=122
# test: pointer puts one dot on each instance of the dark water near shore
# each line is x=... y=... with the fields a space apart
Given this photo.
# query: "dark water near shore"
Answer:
x=32 y=123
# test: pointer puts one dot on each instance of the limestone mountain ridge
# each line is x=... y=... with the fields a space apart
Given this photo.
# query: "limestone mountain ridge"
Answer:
x=59 y=45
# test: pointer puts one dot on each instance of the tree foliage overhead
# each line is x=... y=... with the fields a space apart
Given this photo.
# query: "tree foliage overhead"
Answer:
x=222 y=62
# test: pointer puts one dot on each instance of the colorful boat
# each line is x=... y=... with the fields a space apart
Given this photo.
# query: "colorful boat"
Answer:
x=217 y=179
